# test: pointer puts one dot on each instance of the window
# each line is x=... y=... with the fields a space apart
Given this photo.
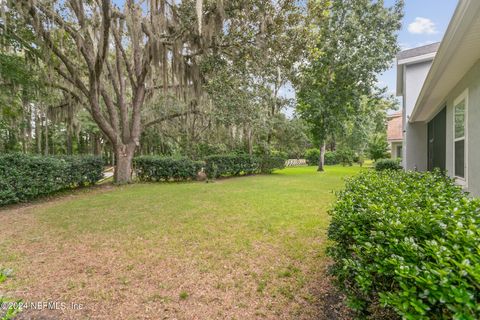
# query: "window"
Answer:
x=399 y=151
x=460 y=137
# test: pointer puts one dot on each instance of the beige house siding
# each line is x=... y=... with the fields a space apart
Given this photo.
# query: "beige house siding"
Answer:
x=470 y=81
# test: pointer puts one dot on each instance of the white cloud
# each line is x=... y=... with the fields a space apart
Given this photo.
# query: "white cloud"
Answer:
x=422 y=26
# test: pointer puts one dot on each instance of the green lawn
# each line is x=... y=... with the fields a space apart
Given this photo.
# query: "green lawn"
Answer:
x=249 y=247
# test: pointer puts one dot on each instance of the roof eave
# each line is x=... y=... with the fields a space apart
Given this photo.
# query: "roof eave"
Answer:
x=464 y=16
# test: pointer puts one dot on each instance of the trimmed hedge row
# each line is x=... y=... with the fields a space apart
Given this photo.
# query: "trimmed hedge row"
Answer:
x=312 y=156
x=239 y=164
x=406 y=245
x=269 y=163
x=154 y=168
x=26 y=177
x=331 y=158
x=230 y=165
x=388 y=164
x=83 y=170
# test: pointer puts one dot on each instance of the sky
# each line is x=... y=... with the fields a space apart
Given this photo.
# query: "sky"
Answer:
x=425 y=22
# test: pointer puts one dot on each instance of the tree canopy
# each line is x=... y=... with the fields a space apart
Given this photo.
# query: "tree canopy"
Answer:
x=352 y=41
x=192 y=78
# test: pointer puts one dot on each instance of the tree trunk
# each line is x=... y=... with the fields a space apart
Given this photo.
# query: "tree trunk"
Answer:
x=321 y=160
x=123 y=163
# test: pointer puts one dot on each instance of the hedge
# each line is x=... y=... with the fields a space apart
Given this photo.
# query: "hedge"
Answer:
x=239 y=164
x=331 y=158
x=312 y=156
x=83 y=170
x=267 y=163
x=388 y=164
x=345 y=156
x=26 y=177
x=155 y=168
x=406 y=245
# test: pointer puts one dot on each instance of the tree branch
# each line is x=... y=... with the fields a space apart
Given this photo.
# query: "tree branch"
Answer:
x=170 y=117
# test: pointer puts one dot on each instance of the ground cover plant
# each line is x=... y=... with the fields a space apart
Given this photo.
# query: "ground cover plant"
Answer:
x=8 y=308
x=241 y=248
x=406 y=245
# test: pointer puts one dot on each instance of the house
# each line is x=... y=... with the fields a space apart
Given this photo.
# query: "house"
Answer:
x=440 y=85
x=395 y=134
x=412 y=69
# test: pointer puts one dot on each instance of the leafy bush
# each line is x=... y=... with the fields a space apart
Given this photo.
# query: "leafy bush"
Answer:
x=230 y=165
x=345 y=156
x=331 y=158
x=83 y=170
x=154 y=168
x=238 y=164
x=405 y=245
x=268 y=163
x=360 y=159
x=378 y=147
x=312 y=156
x=388 y=164
x=26 y=177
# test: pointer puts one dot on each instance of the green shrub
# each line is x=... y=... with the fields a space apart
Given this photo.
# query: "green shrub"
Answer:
x=312 y=156
x=26 y=177
x=268 y=163
x=360 y=159
x=230 y=165
x=378 y=147
x=239 y=164
x=331 y=158
x=83 y=170
x=406 y=245
x=154 y=168
x=345 y=157
x=388 y=164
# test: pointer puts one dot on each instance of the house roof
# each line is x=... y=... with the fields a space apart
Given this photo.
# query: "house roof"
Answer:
x=458 y=52
x=395 y=127
x=417 y=52
x=412 y=56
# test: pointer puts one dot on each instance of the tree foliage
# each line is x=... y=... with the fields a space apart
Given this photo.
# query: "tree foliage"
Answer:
x=135 y=66
x=352 y=41
x=378 y=147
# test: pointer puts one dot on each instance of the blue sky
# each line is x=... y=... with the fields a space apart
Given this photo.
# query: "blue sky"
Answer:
x=425 y=22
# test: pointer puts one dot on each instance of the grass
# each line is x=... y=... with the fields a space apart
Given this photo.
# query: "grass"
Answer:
x=249 y=247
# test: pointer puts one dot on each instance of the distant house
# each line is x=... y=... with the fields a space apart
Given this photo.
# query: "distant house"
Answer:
x=440 y=85
x=395 y=134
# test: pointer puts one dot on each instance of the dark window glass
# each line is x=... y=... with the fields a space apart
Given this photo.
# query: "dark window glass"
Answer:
x=460 y=158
